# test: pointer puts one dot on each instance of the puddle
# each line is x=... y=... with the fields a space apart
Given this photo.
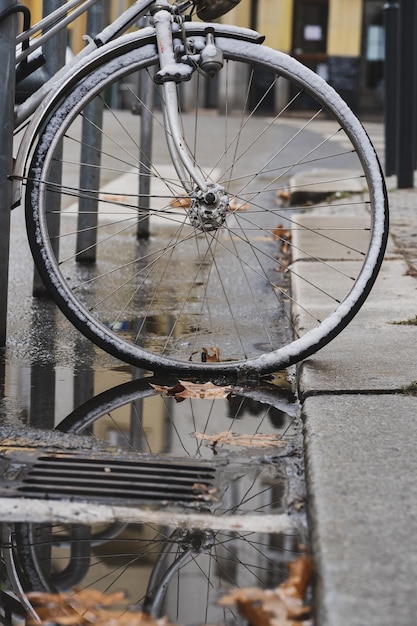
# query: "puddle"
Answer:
x=172 y=500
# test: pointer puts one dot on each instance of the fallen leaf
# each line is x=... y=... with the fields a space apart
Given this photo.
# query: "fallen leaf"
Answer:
x=282 y=267
x=210 y=355
x=284 y=234
x=299 y=575
x=169 y=391
x=412 y=271
x=238 y=205
x=284 y=238
x=112 y=197
x=258 y=440
x=82 y=607
x=284 y=194
x=78 y=598
x=181 y=202
x=282 y=606
x=202 y=391
x=207 y=355
x=204 y=492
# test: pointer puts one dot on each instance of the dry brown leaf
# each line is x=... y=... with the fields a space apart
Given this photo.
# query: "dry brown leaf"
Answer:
x=83 y=607
x=412 y=271
x=208 y=355
x=181 y=202
x=113 y=197
x=211 y=355
x=257 y=440
x=206 y=391
x=284 y=194
x=238 y=205
x=282 y=606
x=204 y=492
x=284 y=239
x=282 y=267
x=284 y=234
x=278 y=231
x=184 y=202
x=169 y=391
x=299 y=577
x=202 y=391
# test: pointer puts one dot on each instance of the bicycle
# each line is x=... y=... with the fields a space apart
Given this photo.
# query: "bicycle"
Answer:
x=202 y=268
x=174 y=555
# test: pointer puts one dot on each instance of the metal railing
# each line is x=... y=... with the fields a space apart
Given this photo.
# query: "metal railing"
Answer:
x=50 y=36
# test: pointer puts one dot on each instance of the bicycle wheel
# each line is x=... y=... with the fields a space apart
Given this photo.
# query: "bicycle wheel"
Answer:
x=154 y=288
x=166 y=569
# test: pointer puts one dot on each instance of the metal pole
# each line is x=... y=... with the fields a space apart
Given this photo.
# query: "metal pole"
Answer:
x=391 y=20
x=407 y=94
x=97 y=18
x=54 y=50
x=145 y=158
x=8 y=32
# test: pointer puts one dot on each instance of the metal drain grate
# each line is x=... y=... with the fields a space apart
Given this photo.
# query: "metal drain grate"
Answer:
x=104 y=478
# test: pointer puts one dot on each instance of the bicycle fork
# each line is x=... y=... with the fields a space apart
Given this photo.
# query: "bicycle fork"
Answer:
x=209 y=201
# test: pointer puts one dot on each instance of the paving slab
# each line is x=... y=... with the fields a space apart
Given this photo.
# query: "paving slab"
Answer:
x=374 y=352
x=361 y=469
x=332 y=237
x=364 y=357
x=319 y=183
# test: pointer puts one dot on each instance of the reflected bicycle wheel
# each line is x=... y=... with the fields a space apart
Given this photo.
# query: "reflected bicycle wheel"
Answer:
x=165 y=569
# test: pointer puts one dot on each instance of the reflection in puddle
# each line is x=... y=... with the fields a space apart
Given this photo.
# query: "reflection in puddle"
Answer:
x=171 y=556
x=159 y=328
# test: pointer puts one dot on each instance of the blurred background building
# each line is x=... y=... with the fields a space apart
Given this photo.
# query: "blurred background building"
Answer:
x=342 y=40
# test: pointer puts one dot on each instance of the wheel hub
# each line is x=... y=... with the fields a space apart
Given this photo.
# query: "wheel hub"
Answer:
x=208 y=209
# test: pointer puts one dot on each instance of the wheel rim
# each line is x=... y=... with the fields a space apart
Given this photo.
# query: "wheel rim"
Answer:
x=223 y=294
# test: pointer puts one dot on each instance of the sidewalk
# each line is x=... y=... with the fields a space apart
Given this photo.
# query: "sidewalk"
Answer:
x=360 y=434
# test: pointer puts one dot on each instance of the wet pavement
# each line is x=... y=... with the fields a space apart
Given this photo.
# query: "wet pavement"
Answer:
x=158 y=497
x=218 y=503
x=253 y=510
x=51 y=373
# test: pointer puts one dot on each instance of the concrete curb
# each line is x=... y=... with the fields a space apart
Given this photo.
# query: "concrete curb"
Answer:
x=360 y=426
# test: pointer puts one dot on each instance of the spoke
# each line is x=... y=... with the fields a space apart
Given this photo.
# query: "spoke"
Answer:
x=309 y=255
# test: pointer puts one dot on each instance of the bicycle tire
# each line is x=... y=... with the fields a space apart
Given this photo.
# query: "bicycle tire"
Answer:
x=226 y=292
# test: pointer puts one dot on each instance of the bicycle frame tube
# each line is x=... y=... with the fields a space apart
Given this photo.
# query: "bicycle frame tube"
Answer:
x=179 y=153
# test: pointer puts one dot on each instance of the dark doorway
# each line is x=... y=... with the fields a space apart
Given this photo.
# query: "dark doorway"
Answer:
x=309 y=42
x=371 y=70
x=262 y=80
